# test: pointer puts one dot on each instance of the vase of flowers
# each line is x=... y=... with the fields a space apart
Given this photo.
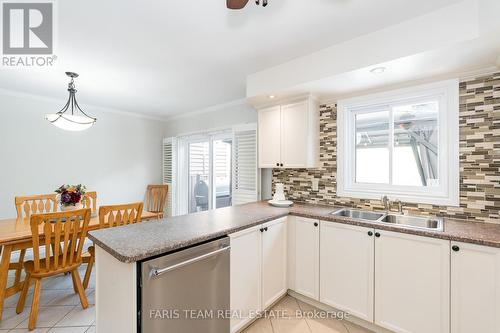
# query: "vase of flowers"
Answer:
x=70 y=196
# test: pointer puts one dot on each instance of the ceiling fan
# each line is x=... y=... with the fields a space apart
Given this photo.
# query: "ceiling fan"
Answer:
x=239 y=4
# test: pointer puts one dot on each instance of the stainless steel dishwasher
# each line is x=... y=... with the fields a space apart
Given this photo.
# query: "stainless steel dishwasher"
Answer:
x=187 y=291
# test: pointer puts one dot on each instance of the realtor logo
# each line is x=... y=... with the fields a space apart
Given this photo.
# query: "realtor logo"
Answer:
x=27 y=28
x=28 y=34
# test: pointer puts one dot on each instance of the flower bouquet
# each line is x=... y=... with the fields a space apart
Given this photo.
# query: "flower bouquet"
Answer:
x=69 y=196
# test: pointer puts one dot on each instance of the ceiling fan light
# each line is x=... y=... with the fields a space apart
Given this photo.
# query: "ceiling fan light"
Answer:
x=70 y=122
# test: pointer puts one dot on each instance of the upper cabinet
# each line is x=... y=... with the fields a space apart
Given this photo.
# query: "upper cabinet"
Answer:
x=289 y=135
x=269 y=137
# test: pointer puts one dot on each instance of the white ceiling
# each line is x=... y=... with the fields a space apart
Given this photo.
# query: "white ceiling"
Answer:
x=164 y=58
x=458 y=40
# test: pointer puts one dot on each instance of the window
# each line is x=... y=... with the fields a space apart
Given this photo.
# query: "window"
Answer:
x=211 y=170
x=205 y=171
x=402 y=143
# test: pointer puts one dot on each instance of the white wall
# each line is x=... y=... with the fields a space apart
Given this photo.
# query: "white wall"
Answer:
x=220 y=117
x=117 y=157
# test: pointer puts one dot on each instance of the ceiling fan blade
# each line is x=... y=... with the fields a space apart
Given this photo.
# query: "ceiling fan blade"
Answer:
x=236 y=4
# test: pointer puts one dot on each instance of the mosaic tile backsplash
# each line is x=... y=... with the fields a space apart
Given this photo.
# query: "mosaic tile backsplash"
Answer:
x=479 y=160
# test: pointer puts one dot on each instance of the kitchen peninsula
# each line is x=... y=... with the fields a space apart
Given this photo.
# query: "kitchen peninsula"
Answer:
x=120 y=251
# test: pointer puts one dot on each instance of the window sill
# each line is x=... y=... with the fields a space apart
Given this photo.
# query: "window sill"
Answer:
x=428 y=199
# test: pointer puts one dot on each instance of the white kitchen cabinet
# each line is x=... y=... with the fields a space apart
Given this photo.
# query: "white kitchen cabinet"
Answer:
x=274 y=259
x=475 y=288
x=347 y=268
x=297 y=136
x=269 y=120
x=303 y=256
x=289 y=135
x=245 y=272
x=258 y=269
x=412 y=283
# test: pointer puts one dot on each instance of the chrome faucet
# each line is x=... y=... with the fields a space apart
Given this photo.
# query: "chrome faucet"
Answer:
x=400 y=206
x=386 y=203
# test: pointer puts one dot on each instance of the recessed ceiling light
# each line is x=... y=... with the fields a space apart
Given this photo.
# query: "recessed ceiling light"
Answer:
x=271 y=96
x=377 y=70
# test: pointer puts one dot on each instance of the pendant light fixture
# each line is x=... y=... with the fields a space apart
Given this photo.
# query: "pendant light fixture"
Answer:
x=74 y=120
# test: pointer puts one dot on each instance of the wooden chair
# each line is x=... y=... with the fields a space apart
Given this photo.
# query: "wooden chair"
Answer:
x=112 y=216
x=156 y=198
x=35 y=204
x=25 y=207
x=68 y=229
x=89 y=200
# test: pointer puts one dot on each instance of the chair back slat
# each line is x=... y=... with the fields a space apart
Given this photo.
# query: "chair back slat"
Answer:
x=47 y=231
x=65 y=245
x=36 y=248
x=117 y=215
x=89 y=200
x=35 y=204
x=62 y=233
x=72 y=243
x=156 y=198
x=57 y=240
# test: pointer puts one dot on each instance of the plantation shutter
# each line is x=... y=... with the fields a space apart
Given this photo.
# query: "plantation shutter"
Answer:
x=245 y=172
x=169 y=172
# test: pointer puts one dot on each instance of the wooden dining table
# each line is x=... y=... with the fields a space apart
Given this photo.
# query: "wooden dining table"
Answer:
x=15 y=234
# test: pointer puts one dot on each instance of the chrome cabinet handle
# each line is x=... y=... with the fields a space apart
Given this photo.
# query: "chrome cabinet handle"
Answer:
x=155 y=272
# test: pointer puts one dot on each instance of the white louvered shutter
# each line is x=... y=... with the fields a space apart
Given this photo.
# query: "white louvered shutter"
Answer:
x=169 y=172
x=245 y=172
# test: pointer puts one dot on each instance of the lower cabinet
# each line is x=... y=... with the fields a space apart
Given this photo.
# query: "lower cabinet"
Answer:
x=303 y=256
x=412 y=283
x=347 y=268
x=274 y=259
x=398 y=281
x=258 y=270
x=245 y=272
x=475 y=288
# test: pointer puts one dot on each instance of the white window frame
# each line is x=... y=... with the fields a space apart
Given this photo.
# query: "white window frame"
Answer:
x=181 y=199
x=447 y=193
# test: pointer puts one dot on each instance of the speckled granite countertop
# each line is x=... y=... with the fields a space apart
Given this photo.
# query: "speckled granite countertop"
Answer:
x=140 y=241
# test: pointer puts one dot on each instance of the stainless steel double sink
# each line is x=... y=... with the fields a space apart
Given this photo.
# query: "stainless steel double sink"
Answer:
x=413 y=222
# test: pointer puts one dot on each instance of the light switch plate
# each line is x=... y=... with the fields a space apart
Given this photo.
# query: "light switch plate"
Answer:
x=315 y=184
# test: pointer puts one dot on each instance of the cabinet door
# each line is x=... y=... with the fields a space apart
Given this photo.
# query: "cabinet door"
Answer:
x=347 y=268
x=304 y=234
x=274 y=257
x=295 y=135
x=475 y=288
x=245 y=275
x=412 y=283
x=269 y=137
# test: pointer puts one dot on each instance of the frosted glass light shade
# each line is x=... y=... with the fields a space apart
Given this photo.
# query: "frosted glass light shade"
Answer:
x=70 y=122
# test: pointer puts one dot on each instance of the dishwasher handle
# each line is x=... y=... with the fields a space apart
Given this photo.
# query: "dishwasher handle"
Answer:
x=155 y=272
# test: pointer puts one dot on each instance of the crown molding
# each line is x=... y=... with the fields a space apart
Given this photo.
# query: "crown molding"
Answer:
x=14 y=93
x=213 y=108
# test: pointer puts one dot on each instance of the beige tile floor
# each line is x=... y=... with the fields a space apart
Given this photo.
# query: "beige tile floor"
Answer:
x=290 y=323
x=60 y=312
x=60 y=309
